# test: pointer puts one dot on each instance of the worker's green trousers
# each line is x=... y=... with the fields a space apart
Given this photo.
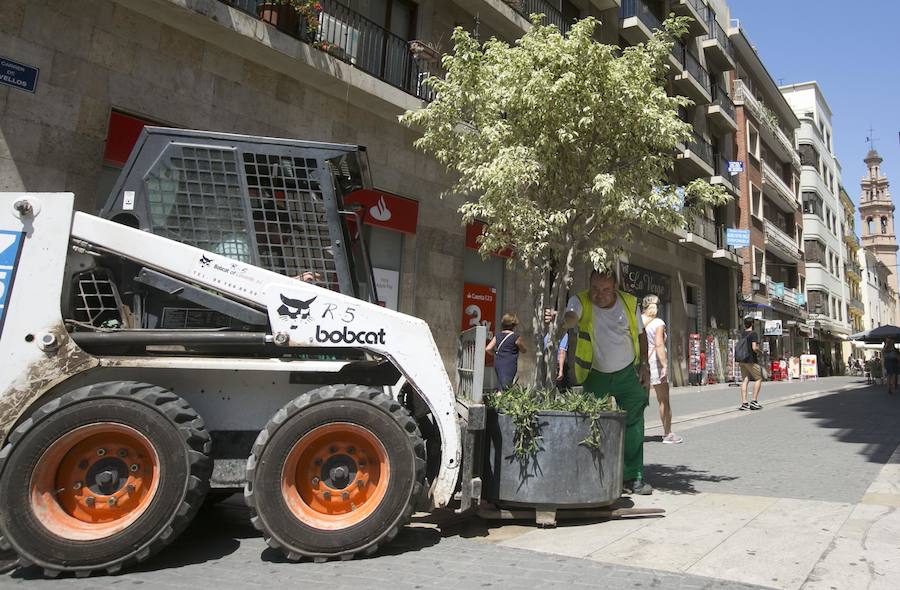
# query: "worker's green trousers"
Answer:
x=631 y=396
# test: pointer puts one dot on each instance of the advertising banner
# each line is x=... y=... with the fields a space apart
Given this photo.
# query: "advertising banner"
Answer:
x=809 y=367
x=772 y=328
x=479 y=309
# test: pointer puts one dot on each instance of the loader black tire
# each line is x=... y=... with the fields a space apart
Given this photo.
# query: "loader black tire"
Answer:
x=154 y=463
x=345 y=426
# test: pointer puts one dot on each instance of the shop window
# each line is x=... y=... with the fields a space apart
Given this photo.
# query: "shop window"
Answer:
x=385 y=251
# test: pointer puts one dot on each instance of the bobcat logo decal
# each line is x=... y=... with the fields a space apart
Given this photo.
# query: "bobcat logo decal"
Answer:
x=205 y=260
x=294 y=309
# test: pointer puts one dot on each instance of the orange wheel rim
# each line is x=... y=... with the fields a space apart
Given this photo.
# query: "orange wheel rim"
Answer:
x=94 y=481
x=335 y=476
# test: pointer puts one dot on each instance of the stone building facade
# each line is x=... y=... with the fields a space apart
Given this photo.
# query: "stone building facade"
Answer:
x=109 y=66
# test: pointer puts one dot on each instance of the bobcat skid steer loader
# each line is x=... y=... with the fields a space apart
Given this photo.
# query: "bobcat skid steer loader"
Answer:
x=170 y=348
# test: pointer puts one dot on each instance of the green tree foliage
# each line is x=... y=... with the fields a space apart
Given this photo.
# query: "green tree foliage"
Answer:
x=565 y=147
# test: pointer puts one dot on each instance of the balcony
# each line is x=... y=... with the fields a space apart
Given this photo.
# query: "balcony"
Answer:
x=693 y=81
x=769 y=129
x=717 y=45
x=721 y=112
x=785 y=295
x=695 y=158
x=782 y=244
x=781 y=193
x=701 y=235
x=722 y=176
x=726 y=255
x=353 y=39
x=637 y=21
x=696 y=9
x=552 y=16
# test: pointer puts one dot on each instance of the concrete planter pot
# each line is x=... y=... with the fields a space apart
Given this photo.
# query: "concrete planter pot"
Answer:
x=563 y=473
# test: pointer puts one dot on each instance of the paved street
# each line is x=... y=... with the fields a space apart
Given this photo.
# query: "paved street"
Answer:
x=802 y=494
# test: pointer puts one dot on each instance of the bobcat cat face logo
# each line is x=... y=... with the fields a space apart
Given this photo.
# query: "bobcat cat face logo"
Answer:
x=205 y=260
x=294 y=309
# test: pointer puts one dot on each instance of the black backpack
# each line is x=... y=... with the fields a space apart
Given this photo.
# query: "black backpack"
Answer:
x=743 y=353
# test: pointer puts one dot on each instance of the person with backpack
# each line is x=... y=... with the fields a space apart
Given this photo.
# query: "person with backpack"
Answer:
x=746 y=353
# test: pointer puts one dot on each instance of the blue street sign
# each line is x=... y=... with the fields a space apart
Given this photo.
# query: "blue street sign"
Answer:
x=10 y=244
x=737 y=238
x=18 y=75
x=735 y=167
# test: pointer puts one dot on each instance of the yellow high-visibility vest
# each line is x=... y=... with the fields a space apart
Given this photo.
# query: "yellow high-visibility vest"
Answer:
x=584 y=349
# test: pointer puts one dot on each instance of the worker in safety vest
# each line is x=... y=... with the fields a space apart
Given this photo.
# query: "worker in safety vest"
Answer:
x=611 y=358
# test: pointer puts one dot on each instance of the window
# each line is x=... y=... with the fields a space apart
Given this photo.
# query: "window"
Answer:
x=759 y=262
x=809 y=155
x=884 y=225
x=815 y=252
x=869 y=225
x=753 y=140
x=812 y=204
x=756 y=201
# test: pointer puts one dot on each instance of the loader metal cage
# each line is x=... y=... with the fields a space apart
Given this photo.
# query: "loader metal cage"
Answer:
x=274 y=203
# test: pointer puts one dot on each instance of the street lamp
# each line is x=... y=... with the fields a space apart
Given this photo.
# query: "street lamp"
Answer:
x=755 y=284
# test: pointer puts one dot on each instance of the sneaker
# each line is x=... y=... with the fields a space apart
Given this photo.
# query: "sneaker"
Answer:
x=638 y=487
x=754 y=405
x=672 y=439
x=744 y=406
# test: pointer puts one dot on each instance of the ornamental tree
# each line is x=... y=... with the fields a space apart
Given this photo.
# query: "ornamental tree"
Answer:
x=565 y=147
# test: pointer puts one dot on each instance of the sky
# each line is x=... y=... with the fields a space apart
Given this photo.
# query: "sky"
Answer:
x=851 y=50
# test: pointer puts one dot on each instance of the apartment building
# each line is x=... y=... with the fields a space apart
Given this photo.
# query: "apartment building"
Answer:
x=107 y=67
x=823 y=223
x=773 y=273
x=879 y=298
x=853 y=273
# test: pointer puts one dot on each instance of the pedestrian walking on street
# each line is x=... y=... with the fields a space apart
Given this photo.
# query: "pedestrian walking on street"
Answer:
x=610 y=359
x=891 y=364
x=657 y=357
x=747 y=354
x=506 y=353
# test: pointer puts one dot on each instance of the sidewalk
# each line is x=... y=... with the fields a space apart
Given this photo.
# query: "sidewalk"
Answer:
x=802 y=495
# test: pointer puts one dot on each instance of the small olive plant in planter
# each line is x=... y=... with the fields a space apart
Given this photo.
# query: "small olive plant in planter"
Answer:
x=523 y=405
x=553 y=449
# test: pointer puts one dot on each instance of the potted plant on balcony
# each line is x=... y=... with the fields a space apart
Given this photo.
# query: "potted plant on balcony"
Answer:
x=281 y=14
x=310 y=14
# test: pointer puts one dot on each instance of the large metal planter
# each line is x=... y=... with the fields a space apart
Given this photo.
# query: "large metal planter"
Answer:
x=564 y=473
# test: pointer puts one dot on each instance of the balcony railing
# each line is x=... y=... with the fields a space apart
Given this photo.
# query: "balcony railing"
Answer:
x=552 y=16
x=693 y=66
x=778 y=237
x=742 y=94
x=705 y=228
x=352 y=38
x=639 y=8
x=720 y=97
x=716 y=32
x=701 y=147
x=790 y=297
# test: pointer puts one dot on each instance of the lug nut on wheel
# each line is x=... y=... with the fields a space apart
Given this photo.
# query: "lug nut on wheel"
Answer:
x=89 y=501
x=101 y=452
x=134 y=467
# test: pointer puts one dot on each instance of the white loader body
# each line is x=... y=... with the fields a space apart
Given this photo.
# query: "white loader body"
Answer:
x=39 y=360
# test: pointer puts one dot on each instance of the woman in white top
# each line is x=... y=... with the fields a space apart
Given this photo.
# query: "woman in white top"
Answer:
x=655 y=329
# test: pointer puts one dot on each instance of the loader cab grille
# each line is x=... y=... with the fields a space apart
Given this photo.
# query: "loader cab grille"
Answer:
x=96 y=300
x=275 y=203
x=289 y=218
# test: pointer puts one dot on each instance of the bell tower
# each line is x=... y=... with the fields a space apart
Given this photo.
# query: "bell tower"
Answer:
x=876 y=211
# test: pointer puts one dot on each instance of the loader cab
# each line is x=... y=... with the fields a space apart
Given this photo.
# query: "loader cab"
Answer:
x=273 y=203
